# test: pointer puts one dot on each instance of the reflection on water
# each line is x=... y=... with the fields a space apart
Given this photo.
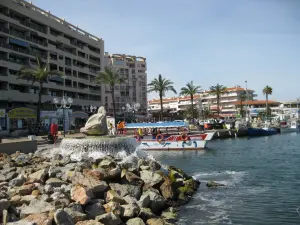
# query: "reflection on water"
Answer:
x=261 y=176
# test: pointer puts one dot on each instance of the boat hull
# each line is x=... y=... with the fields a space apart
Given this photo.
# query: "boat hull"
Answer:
x=173 y=145
x=175 y=142
x=256 y=132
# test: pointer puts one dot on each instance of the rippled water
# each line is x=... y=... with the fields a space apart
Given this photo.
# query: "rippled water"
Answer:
x=262 y=178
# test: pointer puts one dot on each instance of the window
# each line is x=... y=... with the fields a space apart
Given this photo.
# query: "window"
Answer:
x=3 y=123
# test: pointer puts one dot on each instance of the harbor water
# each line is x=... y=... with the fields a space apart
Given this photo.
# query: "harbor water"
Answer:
x=262 y=178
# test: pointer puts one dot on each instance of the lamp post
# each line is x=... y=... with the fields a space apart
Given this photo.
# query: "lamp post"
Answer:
x=123 y=109
x=134 y=107
x=63 y=104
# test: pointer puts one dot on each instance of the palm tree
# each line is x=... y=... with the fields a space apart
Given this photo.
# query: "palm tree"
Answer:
x=39 y=74
x=111 y=77
x=242 y=98
x=161 y=85
x=267 y=91
x=218 y=90
x=190 y=90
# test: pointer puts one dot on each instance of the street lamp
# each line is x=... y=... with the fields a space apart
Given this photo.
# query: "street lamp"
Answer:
x=123 y=109
x=133 y=107
x=63 y=104
x=91 y=109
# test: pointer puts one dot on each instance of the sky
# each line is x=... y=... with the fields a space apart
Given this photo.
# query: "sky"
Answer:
x=205 y=41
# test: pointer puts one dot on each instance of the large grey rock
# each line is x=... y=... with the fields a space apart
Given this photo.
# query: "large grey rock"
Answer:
x=135 y=221
x=130 y=210
x=18 y=181
x=96 y=124
x=146 y=213
x=126 y=189
x=109 y=219
x=151 y=178
x=39 y=175
x=61 y=217
x=75 y=215
x=144 y=201
x=36 y=207
x=96 y=186
x=53 y=171
x=55 y=182
x=157 y=202
x=4 y=204
x=93 y=210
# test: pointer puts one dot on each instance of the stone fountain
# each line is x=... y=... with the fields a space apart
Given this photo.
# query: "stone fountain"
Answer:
x=97 y=141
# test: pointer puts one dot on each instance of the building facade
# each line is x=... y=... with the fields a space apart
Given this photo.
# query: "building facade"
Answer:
x=204 y=100
x=27 y=32
x=133 y=90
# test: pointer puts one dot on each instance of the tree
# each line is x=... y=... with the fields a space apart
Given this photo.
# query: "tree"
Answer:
x=267 y=91
x=242 y=98
x=190 y=90
x=111 y=77
x=191 y=112
x=39 y=74
x=218 y=90
x=161 y=85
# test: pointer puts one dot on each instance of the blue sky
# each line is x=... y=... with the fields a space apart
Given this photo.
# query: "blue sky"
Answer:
x=207 y=41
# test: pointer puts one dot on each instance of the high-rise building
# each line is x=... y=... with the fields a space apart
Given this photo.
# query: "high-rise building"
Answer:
x=133 y=90
x=26 y=32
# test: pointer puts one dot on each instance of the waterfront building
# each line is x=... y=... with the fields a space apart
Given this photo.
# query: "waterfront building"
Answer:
x=174 y=106
x=26 y=32
x=133 y=91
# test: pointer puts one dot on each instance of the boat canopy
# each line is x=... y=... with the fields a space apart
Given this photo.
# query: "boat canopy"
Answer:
x=155 y=125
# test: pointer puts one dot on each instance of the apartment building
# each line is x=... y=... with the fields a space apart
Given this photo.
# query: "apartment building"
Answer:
x=133 y=90
x=206 y=99
x=26 y=32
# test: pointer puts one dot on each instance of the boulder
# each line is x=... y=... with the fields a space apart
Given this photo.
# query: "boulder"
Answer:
x=55 y=182
x=131 y=177
x=151 y=178
x=39 y=175
x=156 y=221
x=27 y=199
x=36 y=207
x=113 y=207
x=61 y=217
x=212 y=184
x=144 y=201
x=167 y=189
x=157 y=202
x=53 y=171
x=15 y=200
x=75 y=214
x=169 y=215
x=89 y=222
x=126 y=189
x=26 y=189
x=4 y=204
x=96 y=186
x=109 y=219
x=112 y=195
x=135 y=221
x=57 y=196
x=146 y=213
x=145 y=167
x=130 y=200
x=107 y=163
x=93 y=210
x=18 y=181
x=81 y=194
x=39 y=219
x=129 y=210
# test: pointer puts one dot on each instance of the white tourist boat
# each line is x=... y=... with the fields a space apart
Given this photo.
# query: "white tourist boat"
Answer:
x=293 y=127
x=163 y=140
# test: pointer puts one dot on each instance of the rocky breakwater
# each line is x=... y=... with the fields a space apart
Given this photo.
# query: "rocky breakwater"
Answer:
x=110 y=191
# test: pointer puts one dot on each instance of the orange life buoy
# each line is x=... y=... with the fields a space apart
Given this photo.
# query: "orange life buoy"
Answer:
x=184 y=137
x=159 y=137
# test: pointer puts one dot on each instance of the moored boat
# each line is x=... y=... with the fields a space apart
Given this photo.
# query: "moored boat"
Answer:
x=293 y=127
x=151 y=137
x=255 y=132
